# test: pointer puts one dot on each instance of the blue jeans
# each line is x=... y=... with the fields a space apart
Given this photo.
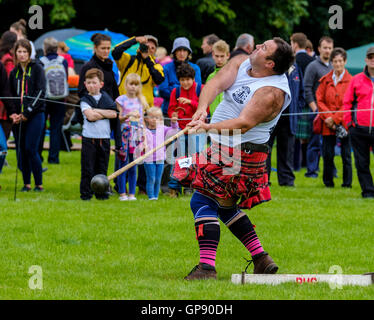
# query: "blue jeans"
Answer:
x=129 y=175
x=29 y=160
x=3 y=148
x=153 y=172
x=188 y=145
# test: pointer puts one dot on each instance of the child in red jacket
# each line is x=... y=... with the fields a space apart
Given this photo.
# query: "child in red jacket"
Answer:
x=184 y=101
x=185 y=98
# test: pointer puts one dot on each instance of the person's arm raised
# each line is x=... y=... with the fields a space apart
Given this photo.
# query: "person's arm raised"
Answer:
x=223 y=80
x=264 y=106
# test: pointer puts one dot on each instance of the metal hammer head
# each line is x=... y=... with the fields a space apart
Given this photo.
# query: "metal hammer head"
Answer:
x=100 y=184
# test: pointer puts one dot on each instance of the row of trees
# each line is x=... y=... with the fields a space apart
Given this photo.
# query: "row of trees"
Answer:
x=195 y=18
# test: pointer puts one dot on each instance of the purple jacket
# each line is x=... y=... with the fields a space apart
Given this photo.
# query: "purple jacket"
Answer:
x=156 y=138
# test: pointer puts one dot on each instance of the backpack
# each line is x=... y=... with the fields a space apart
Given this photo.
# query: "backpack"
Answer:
x=56 y=78
x=178 y=90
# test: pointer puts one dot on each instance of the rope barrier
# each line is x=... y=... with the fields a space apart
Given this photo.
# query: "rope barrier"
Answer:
x=166 y=118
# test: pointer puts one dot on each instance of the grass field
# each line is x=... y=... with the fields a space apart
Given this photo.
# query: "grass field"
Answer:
x=143 y=249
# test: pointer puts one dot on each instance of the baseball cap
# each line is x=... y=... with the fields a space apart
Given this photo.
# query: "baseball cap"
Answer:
x=370 y=51
x=181 y=42
x=152 y=38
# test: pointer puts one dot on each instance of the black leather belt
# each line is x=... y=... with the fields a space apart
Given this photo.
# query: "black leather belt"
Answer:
x=250 y=147
x=253 y=147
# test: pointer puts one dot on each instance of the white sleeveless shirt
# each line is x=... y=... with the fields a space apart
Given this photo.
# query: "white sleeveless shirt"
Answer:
x=236 y=98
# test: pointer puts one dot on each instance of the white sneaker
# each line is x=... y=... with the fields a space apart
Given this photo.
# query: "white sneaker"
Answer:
x=124 y=198
x=153 y=199
x=131 y=198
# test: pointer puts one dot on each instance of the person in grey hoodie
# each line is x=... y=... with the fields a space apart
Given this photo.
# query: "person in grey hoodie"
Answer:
x=313 y=72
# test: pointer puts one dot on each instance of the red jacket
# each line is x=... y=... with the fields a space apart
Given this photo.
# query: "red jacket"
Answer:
x=360 y=96
x=184 y=110
x=8 y=62
x=330 y=98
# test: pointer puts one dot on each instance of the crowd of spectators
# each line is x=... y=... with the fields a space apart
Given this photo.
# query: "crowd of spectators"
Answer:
x=331 y=112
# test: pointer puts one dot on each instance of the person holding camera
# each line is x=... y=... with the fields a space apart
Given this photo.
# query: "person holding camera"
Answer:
x=330 y=94
x=143 y=64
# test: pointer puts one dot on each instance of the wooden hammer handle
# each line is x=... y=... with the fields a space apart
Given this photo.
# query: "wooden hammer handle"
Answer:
x=138 y=160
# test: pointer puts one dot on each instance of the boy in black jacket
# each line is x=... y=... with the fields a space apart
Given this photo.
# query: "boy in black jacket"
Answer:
x=97 y=108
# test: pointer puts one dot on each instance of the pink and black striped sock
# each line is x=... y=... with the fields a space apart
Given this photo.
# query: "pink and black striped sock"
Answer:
x=207 y=234
x=244 y=231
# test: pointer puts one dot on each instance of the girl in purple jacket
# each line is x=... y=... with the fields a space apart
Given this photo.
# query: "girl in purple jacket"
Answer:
x=156 y=134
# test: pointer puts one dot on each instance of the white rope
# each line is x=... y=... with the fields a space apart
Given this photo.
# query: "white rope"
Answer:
x=166 y=118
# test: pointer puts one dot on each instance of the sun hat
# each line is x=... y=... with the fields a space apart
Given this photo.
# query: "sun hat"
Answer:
x=152 y=38
x=181 y=42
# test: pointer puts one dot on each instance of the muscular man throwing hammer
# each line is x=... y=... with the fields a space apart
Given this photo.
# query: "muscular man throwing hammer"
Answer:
x=255 y=94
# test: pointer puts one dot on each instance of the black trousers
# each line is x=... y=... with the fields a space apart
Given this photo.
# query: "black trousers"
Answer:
x=362 y=141
x=142 y=178
x=328 y=153
x=56 y=112
x=285 y=152
x=94 y=160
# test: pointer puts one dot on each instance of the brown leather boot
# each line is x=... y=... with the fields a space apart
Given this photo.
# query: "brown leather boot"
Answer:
x=264 y=264
x=202 y=271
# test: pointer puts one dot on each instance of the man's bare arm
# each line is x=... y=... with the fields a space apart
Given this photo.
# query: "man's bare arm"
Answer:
x=264 y=106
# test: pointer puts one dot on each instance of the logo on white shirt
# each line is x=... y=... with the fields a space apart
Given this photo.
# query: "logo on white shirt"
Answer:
x=241 y=94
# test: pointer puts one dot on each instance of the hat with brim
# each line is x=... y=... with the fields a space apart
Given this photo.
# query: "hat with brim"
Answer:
x=181 y=43
x=152 y=38
x=370 y=51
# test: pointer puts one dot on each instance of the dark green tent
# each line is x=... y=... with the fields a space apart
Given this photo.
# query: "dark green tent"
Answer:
x=356 y=59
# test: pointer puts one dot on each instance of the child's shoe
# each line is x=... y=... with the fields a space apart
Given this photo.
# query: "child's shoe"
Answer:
x=123 y=198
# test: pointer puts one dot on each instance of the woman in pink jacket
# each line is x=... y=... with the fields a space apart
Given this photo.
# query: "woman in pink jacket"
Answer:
x=359 y=118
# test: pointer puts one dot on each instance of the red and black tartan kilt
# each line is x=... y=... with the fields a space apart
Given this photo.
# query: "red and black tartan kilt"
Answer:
x=226 y=173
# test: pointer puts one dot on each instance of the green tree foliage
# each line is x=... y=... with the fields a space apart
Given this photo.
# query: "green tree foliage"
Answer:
x=358 y=21
x=367 y=15
x=284 y=15
x=62 y=11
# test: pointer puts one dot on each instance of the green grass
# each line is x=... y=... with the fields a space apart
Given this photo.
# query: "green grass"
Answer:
x=143 y=249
